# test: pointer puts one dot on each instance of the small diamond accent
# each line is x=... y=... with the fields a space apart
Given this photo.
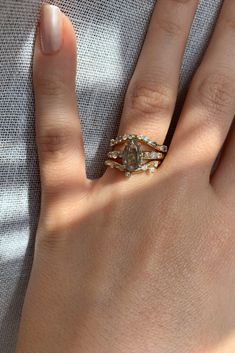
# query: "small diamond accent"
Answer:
x=164 y=148
x=128 y=174
x=145 y=167
x=153 y=155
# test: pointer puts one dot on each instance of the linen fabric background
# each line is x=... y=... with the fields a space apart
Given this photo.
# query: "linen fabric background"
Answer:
x=110 y=34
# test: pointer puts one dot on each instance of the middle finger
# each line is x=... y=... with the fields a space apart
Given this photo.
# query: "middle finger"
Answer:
x=152 y=91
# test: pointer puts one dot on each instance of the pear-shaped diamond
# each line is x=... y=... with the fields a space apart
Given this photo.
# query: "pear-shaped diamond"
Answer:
x=131 y=156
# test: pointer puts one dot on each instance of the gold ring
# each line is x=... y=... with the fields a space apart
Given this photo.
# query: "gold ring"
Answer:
x=132 y=158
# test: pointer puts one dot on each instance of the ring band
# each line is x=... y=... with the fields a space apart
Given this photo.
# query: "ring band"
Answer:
x=133 y=157
x=144 y=154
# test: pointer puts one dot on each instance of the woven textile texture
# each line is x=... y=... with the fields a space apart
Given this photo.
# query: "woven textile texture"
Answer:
x=111 y=34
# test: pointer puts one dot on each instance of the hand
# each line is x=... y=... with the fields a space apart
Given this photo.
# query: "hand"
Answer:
x=142 y=264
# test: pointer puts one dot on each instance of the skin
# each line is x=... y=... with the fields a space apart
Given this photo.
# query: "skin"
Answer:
x=144 y=264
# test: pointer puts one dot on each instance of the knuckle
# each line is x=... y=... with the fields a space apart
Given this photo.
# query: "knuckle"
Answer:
x=55 y=228
x=216 y=92
x=51 y=86
x=170 y=27
x=55 y=140
x=148 y=99
x=51 y=240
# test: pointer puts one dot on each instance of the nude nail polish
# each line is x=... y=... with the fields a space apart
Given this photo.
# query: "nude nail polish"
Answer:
x=50 y=29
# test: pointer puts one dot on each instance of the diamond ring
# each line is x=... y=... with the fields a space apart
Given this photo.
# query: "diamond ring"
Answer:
x=132 y=159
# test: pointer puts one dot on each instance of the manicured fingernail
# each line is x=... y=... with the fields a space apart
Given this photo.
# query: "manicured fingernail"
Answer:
x=50 y=29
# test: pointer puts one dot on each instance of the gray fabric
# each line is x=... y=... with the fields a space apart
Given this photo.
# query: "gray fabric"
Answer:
x=110 y=36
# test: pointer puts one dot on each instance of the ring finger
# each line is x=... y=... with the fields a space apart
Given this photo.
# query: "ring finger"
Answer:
x=152 y=92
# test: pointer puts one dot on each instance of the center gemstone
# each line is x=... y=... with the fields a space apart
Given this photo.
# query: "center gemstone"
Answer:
x=131 y=157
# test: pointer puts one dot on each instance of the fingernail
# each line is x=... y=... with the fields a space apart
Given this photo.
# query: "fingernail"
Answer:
x=50 y=29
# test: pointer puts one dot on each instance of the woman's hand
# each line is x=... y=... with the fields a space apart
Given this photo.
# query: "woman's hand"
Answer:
x=145 y=264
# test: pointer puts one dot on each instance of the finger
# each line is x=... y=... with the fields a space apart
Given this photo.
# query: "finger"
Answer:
x=210 y=105
x=152 y=92
x=58 y=131
x=223 y=179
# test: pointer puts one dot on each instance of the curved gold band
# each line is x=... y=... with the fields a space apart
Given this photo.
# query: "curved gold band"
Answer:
x=133 y=156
